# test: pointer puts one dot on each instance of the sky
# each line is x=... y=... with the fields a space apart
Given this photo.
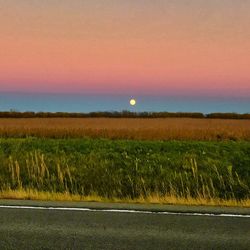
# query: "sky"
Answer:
x=142 y=47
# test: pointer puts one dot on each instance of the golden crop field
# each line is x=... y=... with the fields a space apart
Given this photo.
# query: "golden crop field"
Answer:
x=127 y=128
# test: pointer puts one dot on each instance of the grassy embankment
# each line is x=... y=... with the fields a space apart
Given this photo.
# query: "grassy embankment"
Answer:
x=178 y=172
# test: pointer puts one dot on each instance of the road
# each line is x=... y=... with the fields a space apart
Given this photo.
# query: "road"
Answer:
x=36 y=227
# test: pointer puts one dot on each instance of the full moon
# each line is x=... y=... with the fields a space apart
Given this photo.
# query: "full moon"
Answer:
x=132 y=102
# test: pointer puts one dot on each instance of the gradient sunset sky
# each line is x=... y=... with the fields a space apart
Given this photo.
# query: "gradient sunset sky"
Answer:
x=160 y=47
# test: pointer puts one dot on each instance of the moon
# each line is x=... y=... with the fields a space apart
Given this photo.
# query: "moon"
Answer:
x=132 y=102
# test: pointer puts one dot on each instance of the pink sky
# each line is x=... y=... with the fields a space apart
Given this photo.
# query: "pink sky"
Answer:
x=158 y=47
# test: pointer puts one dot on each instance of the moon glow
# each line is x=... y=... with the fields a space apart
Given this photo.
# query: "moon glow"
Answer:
x=132 y=102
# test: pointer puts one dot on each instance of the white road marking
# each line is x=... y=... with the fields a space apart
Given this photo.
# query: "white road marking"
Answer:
x=126 y=211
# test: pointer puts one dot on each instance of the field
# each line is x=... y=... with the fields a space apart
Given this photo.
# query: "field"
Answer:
x=163 y=160
x=126 y=170
x=127 y=128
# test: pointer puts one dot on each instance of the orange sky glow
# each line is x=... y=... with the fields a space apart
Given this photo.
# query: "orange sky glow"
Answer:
x=116 y=46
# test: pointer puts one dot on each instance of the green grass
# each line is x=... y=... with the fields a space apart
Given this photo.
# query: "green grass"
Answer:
x=121 y=169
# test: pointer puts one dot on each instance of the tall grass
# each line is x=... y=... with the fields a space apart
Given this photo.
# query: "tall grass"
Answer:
x=122 y=128
x=127 y=170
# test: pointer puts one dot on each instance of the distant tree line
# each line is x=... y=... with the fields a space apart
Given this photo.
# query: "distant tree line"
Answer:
x=122 y=114
x=228 y=116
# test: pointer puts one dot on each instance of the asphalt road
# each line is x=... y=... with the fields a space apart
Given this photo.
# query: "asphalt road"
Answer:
x=24 y=228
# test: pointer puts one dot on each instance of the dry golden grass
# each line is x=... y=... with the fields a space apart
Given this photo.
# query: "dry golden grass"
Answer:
x=22 y=194
x=128 y=128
